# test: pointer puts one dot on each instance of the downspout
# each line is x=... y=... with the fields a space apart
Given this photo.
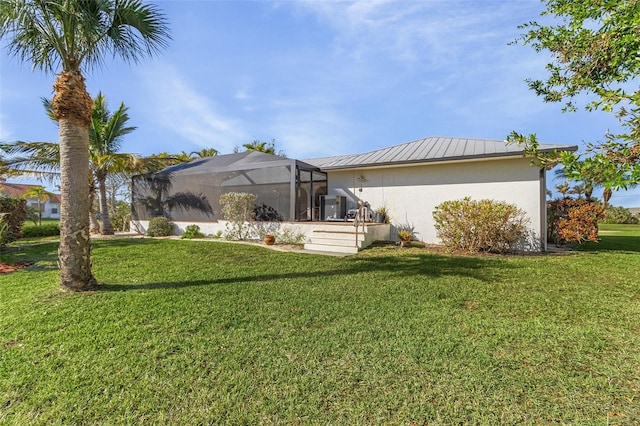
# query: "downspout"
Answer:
x=543 y=209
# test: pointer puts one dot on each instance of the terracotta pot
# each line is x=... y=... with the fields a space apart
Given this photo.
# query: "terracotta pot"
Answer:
x=269 y=239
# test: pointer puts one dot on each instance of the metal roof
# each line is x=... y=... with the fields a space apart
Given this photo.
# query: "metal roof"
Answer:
x=234 y=162
x=430 y=150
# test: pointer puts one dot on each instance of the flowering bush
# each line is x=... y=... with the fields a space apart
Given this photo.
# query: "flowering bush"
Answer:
x=238 y=209
x=484 y=225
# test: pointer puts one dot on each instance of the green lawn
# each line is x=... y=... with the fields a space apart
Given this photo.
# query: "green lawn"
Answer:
x=202 y=332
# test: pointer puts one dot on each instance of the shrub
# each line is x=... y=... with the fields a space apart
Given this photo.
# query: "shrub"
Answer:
x=558 y=210
x=259 y=229
x=4 y=231
x=290 y=236
x=266 y=213
x=46 y=230
x=619 y=215
x=238 y=209
x=572 y=220
x=160 y=226
x=484 y=225
x=120 y=215
x=580 y=224
x=192 y=231
x=15 y=210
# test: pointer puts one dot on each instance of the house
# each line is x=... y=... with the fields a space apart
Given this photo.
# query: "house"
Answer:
x=409 y=179
x=50 y=208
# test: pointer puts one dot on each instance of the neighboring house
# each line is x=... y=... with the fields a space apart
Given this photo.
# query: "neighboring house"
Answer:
x=410 y=180
x=50 y=208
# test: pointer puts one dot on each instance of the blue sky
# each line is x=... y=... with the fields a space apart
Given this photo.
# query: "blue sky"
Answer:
x=321 y=78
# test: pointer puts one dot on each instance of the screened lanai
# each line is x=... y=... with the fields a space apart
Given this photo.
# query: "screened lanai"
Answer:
x=288 y=188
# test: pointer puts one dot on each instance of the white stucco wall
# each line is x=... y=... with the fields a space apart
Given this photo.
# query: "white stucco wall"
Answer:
x=50 y=210
x=412 y=192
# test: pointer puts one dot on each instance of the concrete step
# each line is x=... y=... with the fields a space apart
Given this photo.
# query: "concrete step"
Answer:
x=330 y=241
x=342 y=235
x=331 y=248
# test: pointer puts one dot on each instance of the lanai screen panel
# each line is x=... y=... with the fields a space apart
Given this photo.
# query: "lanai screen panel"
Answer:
x=273 y=180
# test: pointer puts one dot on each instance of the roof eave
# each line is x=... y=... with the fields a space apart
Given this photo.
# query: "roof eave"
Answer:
x=460 y=159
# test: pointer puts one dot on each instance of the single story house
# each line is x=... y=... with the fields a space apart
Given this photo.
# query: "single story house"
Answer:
x=50 y=208
x=409 y=179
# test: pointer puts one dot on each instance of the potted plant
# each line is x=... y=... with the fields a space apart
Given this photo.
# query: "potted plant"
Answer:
x=381 y=214
x=406 y=234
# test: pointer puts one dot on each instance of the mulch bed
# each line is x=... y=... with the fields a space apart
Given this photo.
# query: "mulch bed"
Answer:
x=6 y=268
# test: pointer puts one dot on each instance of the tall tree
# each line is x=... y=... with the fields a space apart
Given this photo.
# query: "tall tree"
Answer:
x=266 y=147
x=105 y=137
x=67 y=37
x=594 y=46
x=204 y=152
x=166 y=158
x=40 y=194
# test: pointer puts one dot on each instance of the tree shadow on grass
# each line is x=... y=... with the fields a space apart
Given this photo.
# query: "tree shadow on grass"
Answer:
x=613 y=243
x=424 y=265
x=42 y=256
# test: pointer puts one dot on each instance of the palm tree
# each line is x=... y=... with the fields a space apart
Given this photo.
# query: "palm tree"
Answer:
x=589 y=182
x=67 y=37
x=204 y=152
x=105 y=135
x=266 y=147
x=184 y=156
x=40 y=194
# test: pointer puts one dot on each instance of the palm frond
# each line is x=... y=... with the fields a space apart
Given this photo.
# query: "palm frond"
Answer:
x=81 y=34
x=188 y=201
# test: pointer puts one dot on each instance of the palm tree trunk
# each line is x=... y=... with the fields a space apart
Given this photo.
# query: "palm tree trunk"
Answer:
x=94 y=226
x=107 y=227
x=39 y=213
x=74 y=254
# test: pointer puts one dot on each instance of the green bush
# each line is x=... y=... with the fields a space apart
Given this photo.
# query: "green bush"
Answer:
x=484 y=225
x=4 y=231
x=620 y=215
x=45 y=230
x=192 y=231
x=15 y=210
x=290 y=236
x=120 y=215
x=238 y=209
x=160 y=226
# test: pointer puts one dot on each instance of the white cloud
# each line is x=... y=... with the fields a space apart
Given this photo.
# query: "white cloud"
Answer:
x=182 y=110
x=433 y=33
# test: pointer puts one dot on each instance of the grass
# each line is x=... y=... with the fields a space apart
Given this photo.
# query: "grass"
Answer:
x=30 y=224
x=193 y=332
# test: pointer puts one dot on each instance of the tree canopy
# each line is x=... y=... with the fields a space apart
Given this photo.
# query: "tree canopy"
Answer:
x=595 y=54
